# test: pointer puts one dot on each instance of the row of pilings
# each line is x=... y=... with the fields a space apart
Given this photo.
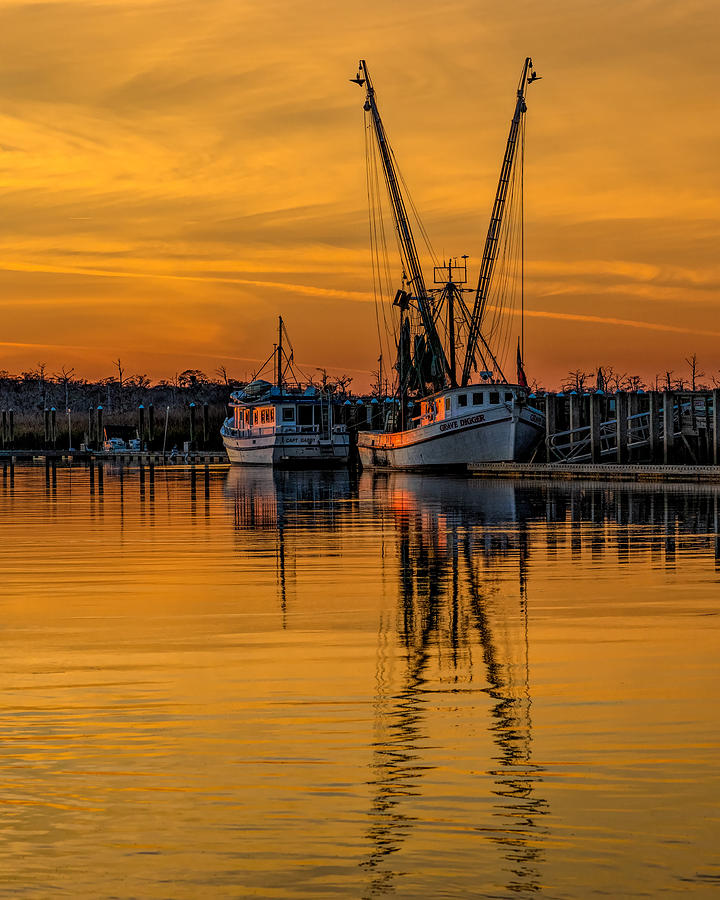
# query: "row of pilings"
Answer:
x=55 y=429
x=661 y=427
x=65 y=429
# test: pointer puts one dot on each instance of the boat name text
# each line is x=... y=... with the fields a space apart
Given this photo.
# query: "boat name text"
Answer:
x=461 y=423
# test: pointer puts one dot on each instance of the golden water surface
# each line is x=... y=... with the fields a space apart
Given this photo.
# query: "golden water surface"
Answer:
x=238 y=683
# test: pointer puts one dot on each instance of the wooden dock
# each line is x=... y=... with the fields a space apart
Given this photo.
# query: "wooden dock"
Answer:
x=598 y=472
x=661 y=428
x=121 y=457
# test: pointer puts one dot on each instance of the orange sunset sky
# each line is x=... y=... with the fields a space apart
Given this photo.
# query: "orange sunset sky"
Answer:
x=175 y=174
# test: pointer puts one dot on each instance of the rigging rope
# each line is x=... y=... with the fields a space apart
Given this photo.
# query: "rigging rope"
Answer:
x=506 y=287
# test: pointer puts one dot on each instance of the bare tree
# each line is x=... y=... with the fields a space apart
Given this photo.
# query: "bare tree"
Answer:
x=634 y=383
x=222 y=373
x=694 y=374
x=615 y=380
x=119 y=366
x=42 y=383
x=342 y=383
x=191 y=378
x=575 y=381
x=65 y=376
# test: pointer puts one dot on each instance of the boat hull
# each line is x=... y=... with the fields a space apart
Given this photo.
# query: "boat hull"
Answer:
x=493 y=436
x=289 y=451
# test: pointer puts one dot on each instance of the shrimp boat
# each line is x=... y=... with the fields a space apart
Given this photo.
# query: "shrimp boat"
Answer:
x=284 y=423
x=453 y=404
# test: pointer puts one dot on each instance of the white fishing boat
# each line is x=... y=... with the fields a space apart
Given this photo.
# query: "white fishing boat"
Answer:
x=286 y=423
x=453 y=404
x=479 y=423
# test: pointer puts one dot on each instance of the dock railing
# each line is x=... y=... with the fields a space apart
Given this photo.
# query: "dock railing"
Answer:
x=648 y=427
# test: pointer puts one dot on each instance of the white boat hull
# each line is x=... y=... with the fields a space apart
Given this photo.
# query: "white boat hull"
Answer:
x=288 y=450
x=495 y=435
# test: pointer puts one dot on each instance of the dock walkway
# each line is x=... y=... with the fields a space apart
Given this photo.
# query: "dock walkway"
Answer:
x=126 y=457
x=598 y=471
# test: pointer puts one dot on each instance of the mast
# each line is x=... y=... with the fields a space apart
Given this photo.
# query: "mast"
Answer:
x=491 y=241
x=408 y=249
x=451 y=325
x=452 y=276
x=279 y=351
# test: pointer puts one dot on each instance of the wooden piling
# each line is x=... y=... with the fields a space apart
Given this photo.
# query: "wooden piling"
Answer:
x=574 y=415
x=634 y=403
x=550 y=422
x=206 y=424
x=595 y=419
x=100 y=430
x=46 y=419
x=668 y=427
x=192 y=426
x=11 y=429
x=151 y=426
x=141 y=426
x=621 y=426
x=654 y=402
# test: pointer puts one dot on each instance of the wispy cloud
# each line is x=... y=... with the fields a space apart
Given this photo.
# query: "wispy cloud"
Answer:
x=204 y=166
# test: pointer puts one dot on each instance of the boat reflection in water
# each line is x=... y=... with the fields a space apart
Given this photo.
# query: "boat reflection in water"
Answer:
x=451 y=632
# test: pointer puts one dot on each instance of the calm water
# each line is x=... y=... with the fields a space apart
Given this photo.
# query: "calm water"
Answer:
x=230 y=684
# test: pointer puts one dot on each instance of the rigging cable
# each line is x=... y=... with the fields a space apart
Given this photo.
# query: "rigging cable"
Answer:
x=378 y=239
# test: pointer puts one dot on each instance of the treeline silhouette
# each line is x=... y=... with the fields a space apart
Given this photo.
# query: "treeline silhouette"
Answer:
x=30 y=399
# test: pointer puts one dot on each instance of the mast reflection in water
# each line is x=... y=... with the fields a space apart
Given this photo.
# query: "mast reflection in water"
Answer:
x=448 y=607
x=447 y=610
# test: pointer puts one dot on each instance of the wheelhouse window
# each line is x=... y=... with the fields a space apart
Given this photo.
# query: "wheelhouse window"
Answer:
x=288 y=414
x=508 y=397
x=494 y=397
x=477 y=399
x=462 y=399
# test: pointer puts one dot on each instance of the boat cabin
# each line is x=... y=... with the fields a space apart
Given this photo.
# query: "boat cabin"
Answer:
x=300 y=417
x=467 y=401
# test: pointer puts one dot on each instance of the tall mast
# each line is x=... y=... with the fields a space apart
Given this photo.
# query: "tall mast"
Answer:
x=493 y=235
x=279 y=354
x=451 y=325
x=408 y=249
